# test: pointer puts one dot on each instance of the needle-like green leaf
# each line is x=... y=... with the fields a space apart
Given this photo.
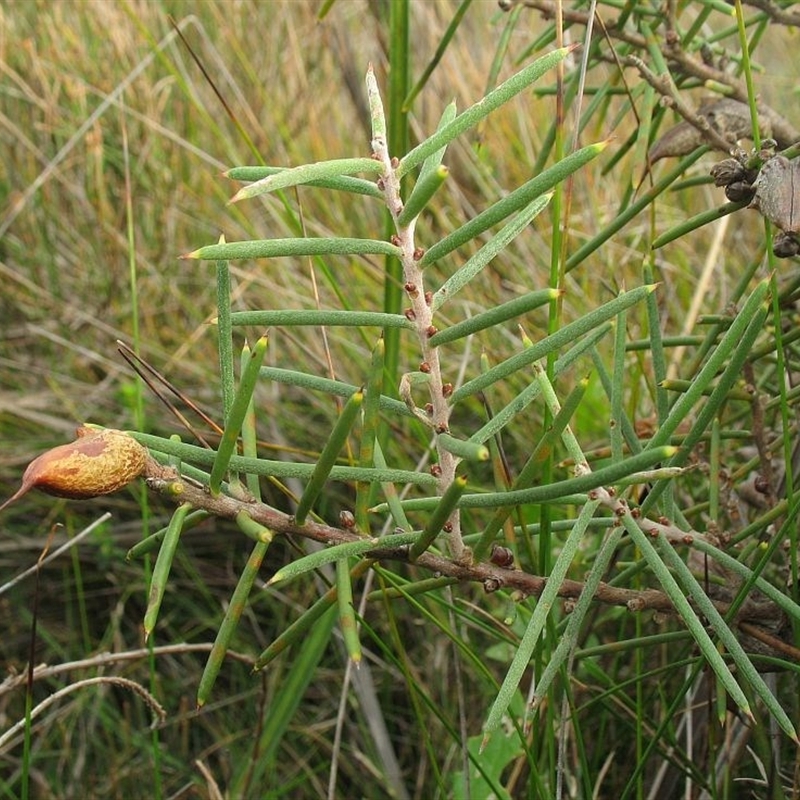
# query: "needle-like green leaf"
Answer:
x=341 y=184
x=445 y=506
x=535 y=189
x=466 y=449
x=425 y=188
x=327 y=458
x=337 y=552
x=276 y=248
x=236 y=605
x=494 y=316
x=566 y=335
x=233 y=424
x=160 y=576
x=605 y=476
x=475 y=113
x=280 y=469
x=313 y=316
x=369 y=432
x=534 y=463
x=306 y=173
x=347 y=613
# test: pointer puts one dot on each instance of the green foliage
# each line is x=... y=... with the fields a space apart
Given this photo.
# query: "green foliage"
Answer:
x=437 y=510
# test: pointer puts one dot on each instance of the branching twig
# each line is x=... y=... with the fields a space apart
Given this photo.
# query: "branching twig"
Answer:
x=687 y=64
x=167 y=481
x=422 y=315
x=666 y=88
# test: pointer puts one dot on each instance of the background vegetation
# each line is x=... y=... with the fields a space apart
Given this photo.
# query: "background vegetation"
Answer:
x=114 y=141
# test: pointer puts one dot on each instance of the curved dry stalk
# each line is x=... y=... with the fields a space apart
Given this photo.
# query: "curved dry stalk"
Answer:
x=124 y=683
x=105 y=659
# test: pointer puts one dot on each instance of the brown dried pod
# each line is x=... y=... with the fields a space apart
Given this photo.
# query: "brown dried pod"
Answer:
x=778 y=193
x=738 y=191
x=730 y=118
x=727 y=171
x=98 y=462
x=778 y=199
x=786 y=245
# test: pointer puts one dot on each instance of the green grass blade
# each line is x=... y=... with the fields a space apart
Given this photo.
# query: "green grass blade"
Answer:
x=283 y=708
x=452 y=27
x=617 y=388
x=537 y=622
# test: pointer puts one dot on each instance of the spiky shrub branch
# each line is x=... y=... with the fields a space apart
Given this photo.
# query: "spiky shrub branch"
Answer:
x=655 y=460
x=203 y=481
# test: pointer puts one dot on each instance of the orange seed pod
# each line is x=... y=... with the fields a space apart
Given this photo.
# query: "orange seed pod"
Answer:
x=98 y=462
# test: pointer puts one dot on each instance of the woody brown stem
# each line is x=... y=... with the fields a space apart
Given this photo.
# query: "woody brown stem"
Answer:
x=170 y=484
